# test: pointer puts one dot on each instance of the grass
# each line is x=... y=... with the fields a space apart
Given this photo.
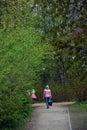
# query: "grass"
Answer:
x=78 y=115
x=79 y=105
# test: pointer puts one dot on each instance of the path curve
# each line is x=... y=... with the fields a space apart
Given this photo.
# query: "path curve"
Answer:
x=54 y=118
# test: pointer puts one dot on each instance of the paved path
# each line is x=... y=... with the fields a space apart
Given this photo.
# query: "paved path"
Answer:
x=54 y=118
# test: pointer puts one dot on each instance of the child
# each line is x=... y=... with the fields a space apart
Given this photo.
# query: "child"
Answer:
x=33 y=95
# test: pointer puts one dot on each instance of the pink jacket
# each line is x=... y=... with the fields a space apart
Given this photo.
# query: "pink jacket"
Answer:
x=33 y=96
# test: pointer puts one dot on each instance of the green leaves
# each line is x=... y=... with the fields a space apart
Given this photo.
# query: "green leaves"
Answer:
x=15 y=14
x=21 y=55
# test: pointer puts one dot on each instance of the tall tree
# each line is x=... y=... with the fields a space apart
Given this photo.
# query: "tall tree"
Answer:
x=63 y=24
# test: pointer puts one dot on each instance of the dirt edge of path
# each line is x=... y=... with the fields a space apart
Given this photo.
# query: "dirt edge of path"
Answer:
x=55 y=103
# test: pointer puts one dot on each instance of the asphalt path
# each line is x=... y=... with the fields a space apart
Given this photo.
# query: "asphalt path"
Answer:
x=55 y=118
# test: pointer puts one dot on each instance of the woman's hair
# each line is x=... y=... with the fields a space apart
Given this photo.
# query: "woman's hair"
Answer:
x=47 y=86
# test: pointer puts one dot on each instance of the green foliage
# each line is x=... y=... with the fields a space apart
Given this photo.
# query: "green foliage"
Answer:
x=21 y=53
x=21 y=63
x=78 y=88
x=25 y=58
x=15 y=14
x=63 y=24
x=79 y=105
x=59 y=92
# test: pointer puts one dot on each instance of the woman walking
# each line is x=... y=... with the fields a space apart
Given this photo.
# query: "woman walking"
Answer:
x=47 y=95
